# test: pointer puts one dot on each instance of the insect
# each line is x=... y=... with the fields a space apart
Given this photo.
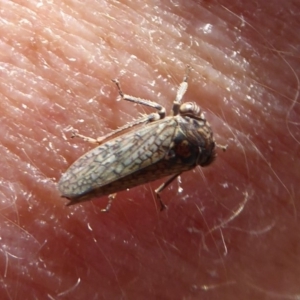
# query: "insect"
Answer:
x=151 y=147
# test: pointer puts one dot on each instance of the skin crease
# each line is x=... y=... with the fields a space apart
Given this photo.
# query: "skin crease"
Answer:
x=232 y=232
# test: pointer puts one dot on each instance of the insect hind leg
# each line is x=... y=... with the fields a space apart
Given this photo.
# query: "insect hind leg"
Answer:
x=88 y=139
x=111 y=198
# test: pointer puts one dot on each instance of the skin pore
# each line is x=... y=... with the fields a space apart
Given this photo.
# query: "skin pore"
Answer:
x=231 y=230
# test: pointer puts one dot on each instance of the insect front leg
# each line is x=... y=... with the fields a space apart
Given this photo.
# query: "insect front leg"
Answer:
x=161 y=188
x=181 y=91
x=223 y=147
x=161 y=111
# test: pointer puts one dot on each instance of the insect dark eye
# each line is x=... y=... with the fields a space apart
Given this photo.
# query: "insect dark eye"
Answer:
x=190 y=109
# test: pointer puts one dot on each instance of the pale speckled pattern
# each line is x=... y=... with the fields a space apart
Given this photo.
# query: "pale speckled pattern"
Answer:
x=118 y=158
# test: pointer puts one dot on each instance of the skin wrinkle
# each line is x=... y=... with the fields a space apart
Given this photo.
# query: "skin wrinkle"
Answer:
x=231 y=230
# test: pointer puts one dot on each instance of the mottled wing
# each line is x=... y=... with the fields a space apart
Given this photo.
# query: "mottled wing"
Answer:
x=119 y=157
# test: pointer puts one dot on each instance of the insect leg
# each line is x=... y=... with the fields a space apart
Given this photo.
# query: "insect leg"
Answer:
x=100 y=140
x=86 y=138
x=142 y=120
x=161 y=110
x=161 y=188
x=181 y=91
x=111 y=198
x=223 y=147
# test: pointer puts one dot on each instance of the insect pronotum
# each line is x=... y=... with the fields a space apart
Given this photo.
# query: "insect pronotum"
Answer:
x=151 y=147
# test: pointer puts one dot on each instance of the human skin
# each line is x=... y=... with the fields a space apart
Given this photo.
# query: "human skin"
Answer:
x=231 y=230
